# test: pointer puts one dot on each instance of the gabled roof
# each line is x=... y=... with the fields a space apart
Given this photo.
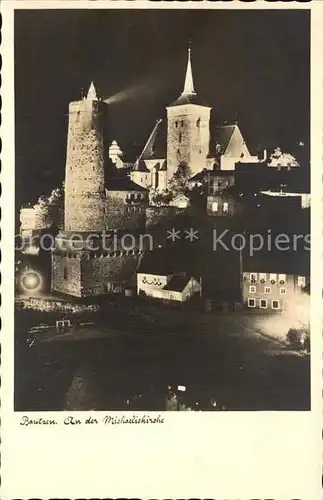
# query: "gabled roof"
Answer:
x=140 y=166
x=156 y=146
x=222 y=135
x=275 y=261
x=161 y=262
x=177 y=283
x=122 y=183
x=205 y=173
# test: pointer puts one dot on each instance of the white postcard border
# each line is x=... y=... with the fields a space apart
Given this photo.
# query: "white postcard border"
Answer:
x=240 y=455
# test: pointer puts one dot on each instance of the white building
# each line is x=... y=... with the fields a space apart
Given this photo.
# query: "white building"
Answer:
x=177 y=287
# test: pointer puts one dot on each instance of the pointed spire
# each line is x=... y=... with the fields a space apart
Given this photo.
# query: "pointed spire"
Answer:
x=92 y=95
x=189 y=84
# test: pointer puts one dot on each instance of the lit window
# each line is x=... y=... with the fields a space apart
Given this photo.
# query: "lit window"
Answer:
x=273 y=278
x=262 y=277
x=251 y=303
x=282 y=278
x=215 y=206
x=267 y=289
x=301 y=280
x=252 y=289
x=282 y=291
x=275 y=304
x=263 y=304
x=253 y=277
x=225 y=207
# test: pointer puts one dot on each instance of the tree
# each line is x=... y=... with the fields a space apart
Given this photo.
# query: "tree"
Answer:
x=178 y=184
x=160 y=198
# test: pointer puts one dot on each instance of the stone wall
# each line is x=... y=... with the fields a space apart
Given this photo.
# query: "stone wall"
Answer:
x=159 y=215
x=188 y=137
x=122 y=216
x=107 y=274
x=66 y=274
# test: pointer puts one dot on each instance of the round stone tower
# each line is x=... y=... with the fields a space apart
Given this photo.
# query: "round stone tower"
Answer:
x=84 y=176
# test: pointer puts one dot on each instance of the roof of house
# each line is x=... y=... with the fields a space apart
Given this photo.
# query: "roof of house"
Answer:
x=161 y=262
x=201 y=176
x=275 y=261
x=122 y=183
x=177 y=283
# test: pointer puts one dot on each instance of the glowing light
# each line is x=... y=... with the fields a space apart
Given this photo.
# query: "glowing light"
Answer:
x=31 y=281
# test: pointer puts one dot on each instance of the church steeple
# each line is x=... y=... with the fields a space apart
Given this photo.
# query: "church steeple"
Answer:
x=189 y=84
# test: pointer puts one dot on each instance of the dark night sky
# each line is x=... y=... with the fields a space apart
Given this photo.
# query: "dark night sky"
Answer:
x=251 y=63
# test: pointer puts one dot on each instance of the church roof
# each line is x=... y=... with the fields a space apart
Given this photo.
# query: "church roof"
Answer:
x=156 y=146
x=189 y=99
x=221 y=136
x=140 y=166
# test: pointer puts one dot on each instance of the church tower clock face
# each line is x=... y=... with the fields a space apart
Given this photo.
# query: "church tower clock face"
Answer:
x=188 y=130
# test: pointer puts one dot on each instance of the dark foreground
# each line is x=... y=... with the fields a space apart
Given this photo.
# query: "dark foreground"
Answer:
x=216 y=358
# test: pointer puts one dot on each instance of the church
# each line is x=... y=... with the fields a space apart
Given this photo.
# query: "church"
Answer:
x=184 y=137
